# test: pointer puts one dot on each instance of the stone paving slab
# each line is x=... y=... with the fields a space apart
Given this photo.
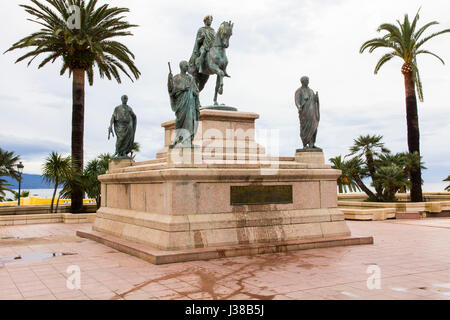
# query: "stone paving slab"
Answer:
x=413 y=260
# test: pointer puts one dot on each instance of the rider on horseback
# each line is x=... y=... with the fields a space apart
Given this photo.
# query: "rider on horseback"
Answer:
x=204 y=41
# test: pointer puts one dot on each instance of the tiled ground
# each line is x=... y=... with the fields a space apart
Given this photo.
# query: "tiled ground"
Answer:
x=413 y=258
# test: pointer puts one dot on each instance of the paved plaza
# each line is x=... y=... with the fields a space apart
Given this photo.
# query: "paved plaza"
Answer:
x=412 y=257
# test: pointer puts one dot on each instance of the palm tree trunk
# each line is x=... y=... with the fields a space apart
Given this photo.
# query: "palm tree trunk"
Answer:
x=54 y=195
x=363 y=187
x=77 y=134
x=57 y=203
x=371 y=167
x=412 y=120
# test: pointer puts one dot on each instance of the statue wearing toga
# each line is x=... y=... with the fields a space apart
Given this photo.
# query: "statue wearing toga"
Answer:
x=124 y=123
x=308 y=106
x=185 y=103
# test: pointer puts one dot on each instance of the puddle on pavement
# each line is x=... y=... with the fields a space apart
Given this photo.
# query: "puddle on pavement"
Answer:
x=34 y=257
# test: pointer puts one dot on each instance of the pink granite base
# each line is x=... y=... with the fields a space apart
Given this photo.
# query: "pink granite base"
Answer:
x=159 y=257
x=183 y=199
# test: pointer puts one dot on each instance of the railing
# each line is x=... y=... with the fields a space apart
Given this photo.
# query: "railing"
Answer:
x=35 y=201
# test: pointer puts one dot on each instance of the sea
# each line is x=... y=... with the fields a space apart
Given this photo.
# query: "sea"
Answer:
x=40 y=193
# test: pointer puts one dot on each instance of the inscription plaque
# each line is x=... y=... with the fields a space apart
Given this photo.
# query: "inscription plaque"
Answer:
x=260 y=195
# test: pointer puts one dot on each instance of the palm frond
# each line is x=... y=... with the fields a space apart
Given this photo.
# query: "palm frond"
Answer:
x=91 y=46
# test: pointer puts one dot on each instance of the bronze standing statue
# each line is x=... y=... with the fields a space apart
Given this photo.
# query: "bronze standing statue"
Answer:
x=209 y=55
x=124 y=123
x=308 y=106
x=185 y=103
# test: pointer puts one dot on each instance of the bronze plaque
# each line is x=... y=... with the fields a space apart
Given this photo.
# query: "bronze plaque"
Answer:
x=260 y=195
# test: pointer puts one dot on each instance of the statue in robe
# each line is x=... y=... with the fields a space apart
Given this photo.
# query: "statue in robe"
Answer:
x=308 y=106
x=123 y=121
x=184 y=100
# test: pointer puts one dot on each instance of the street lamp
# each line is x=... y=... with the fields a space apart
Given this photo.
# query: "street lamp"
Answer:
x=20 y=170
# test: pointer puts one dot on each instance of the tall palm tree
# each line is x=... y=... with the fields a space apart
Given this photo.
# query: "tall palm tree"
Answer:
x=406 y=41
x=55 y=170
x=82 y=49
x=369 y=147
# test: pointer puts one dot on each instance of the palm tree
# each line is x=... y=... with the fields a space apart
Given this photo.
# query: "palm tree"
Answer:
x=94 y=169
x=406 y=42
x=448 y=188
x=55 y=169
x=82 y=49
x=346 y=183
x=391 y=178
x=355 y=169
x=8 y=164
x=4 y=186
x=136 y=149
x=23 y=194
x=369 y=147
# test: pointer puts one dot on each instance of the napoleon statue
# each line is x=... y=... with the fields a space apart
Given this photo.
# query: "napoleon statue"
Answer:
x=123 y=121
x=185 y=103
x=308 y=106
x=204 y=41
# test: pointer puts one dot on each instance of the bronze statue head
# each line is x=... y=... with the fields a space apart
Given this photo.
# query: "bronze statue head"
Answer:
x=184 y=66
x=208 y=20
x=304 y=81
x=124 y=99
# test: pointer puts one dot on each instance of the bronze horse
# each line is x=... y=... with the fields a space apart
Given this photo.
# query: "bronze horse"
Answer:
x=216 y=61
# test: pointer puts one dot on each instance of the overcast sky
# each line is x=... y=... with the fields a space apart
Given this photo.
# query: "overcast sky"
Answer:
x=274 y=43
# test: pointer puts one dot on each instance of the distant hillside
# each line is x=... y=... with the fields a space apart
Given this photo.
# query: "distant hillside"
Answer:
x=30 y=181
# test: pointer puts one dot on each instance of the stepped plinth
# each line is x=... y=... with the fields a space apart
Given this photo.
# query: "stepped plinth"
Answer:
x=225 y=198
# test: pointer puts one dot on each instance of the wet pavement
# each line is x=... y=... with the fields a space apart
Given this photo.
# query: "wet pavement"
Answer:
x=409 y=260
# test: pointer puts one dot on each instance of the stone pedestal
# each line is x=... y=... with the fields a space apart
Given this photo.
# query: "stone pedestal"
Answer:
x=310 y=156
x=119 y=163
x=227 y=197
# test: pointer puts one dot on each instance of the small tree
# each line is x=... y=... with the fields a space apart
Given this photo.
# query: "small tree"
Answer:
x=94 y=169
x=136 y=149
x=390 y=173
x=55 y=170
x=369 y=147
x=346 y=182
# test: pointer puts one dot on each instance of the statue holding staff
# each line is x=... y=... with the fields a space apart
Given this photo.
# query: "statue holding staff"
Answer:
x=124 y=123
x=184 y=100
